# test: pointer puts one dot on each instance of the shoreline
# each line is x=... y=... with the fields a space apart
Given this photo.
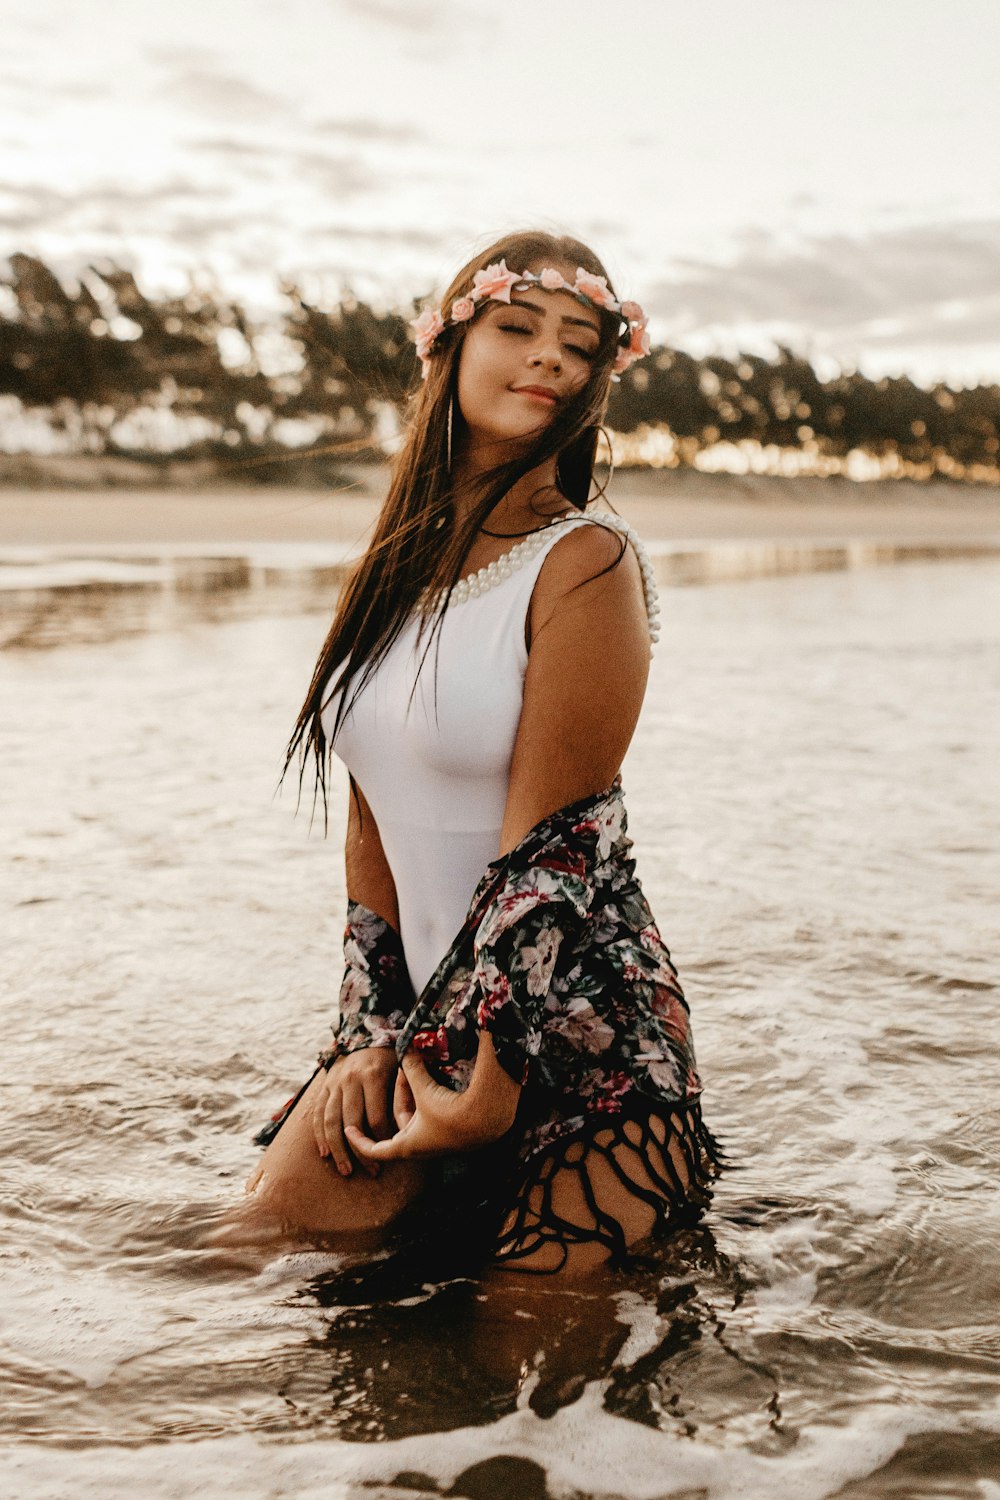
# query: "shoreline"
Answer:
x=663 y=506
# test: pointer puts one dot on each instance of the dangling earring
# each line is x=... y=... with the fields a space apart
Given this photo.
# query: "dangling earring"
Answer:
x=611 y=456
x=451 y=406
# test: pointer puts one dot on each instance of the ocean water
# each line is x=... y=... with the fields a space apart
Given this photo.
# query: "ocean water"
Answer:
x=815 y=806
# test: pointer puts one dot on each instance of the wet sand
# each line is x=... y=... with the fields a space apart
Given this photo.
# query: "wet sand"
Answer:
x=663 y=505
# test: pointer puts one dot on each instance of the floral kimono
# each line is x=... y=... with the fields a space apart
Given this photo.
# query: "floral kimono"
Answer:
x=560 y=961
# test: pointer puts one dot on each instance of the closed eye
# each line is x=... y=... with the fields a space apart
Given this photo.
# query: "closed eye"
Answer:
x=520 y=328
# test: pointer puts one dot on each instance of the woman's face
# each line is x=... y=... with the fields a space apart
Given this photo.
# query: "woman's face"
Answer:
x=544 y=341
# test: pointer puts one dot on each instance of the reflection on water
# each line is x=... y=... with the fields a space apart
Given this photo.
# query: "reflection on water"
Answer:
x=50 y=600
x=55 y=602
x=812 y=792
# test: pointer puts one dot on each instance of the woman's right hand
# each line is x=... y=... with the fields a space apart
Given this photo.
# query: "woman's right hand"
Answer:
x=355 y=1090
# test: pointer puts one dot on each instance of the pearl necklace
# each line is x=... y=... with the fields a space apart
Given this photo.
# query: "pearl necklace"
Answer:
x=486 y=578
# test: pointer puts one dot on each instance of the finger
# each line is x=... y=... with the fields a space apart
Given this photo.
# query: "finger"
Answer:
x=377 y=1107
x=394 y=1149
x=333 y=1129
x=403 y=1103
x=316 y=1118
x=487 y=1065
x=376 y=1096
x=434 y=1099
x=488 y=1074
x=354 y=1113
x=415 y=1069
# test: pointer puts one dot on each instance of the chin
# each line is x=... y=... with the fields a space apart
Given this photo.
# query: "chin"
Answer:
x=509 y=435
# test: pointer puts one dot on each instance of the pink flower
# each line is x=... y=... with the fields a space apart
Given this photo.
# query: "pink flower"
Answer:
x=462 y=309
x=496 y=281
x=633 y=313
x=623 y=358
x=552 y=280
x=596 y=288
x=639 y=344
x=426 y=329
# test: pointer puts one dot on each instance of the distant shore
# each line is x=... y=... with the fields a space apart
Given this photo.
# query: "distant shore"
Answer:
x=663 y=504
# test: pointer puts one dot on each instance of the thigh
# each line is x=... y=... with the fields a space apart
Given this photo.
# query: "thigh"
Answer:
x=587 y=1202
x=294 y=1186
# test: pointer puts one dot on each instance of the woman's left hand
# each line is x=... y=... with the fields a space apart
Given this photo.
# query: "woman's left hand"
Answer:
x=443 y=1120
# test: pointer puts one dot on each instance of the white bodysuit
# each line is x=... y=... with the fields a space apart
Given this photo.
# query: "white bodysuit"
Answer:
x=438 y=787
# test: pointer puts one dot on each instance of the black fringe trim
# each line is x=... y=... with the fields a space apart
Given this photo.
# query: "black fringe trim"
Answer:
x=644 y=1167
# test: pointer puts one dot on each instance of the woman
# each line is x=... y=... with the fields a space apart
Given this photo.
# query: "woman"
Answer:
x=513 y=1045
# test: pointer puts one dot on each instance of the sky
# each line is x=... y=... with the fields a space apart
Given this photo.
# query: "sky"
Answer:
x=825 y=176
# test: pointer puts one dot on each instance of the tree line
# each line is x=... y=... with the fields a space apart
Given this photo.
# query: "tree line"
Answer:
x=114 y=371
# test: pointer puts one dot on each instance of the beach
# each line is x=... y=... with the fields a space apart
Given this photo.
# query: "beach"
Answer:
x=663 y=505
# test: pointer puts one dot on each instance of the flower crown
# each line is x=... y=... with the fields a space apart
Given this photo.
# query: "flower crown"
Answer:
x=496 y=283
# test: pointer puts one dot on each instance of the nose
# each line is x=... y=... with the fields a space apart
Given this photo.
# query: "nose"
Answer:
x=547 y=356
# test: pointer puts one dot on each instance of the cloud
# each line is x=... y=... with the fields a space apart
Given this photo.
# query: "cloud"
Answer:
x=417 y=17
x=105 y=207
x=225 y=145
x=194 y=232
x=18 y=83
x=128 y=197
x=222 y=96
x=405 y=235
x=346 y=176
x=370 y=130
x=425 y=31
x=183 y=57
x=25 y=221
x=890 y=286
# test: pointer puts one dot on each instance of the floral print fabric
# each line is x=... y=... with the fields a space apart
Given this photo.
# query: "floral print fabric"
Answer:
x=376 y=995
x=560 y=961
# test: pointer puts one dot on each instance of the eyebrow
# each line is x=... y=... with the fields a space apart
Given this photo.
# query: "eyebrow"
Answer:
x=534 y=307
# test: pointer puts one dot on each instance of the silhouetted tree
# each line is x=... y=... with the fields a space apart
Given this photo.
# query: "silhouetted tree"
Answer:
x=91 y=356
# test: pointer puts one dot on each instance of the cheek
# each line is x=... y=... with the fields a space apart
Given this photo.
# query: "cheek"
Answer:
x=480 y=374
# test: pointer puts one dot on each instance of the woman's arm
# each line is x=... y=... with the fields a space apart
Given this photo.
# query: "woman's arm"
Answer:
x=376 y=994
x=369 y=878
x=363 y=1081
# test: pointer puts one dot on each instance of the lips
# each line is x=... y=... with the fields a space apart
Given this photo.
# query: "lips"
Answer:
x=540 y=392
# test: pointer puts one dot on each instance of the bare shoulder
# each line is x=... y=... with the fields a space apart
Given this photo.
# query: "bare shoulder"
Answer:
x=593 y=562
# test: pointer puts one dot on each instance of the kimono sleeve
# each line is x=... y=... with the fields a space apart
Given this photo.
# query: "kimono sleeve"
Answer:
x=375 y=994
x=527 y=936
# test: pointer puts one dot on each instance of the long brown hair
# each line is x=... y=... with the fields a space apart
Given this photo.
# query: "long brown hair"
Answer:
x=419 y=543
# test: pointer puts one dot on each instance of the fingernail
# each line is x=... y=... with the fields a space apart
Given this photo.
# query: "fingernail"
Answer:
x=345 y=1170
